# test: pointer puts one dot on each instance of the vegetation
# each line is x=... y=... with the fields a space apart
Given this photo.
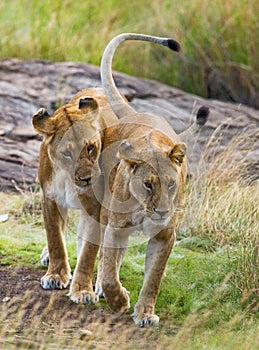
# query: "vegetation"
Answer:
x=220 y=35
x=209 y=298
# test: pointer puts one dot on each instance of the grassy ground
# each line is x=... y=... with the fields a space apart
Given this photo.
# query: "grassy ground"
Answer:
x=219 y=34
x=200 y=304
x=209 y=298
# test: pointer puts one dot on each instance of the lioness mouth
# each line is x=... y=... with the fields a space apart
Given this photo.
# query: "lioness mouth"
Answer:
x=158 y=220
x=87 y=182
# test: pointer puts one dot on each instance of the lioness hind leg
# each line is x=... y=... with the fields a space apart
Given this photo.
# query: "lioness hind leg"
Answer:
x=44 y=257
x=98 y=284
x=58 y=273
x=158 y=251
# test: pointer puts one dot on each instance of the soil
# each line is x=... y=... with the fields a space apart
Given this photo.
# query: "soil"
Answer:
x=32 y=317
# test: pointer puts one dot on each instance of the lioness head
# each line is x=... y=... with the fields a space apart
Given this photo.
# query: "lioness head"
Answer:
x=72 y=138
x=154 y=167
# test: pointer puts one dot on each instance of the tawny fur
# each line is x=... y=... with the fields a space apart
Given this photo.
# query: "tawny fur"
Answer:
x=69 y=155
x=144 y=167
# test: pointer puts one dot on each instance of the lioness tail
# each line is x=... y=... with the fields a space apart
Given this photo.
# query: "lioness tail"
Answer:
x=118 y=104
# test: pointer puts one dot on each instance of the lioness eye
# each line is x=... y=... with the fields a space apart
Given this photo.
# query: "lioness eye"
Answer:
x=90 y=148
x=148 y=185
x=171 y=185
x=67 y=154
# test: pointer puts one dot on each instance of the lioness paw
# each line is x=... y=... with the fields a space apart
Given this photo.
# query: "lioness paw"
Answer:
x=54 y=281
x=44 y=257
x=99 y=291
x=118 y=301
x=84 y=297
x=145 y=320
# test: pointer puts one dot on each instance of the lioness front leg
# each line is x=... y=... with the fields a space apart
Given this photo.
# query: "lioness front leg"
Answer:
x=113 y=250
x=81 y=288
x=158 y=251
x=58 y=273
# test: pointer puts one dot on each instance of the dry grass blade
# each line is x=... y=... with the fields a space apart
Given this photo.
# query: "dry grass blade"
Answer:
x=223 y=205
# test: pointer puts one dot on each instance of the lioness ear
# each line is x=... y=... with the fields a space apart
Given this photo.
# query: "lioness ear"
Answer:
x=89 y=106
x=177 y=153
x=125 y=150
x=43 y=123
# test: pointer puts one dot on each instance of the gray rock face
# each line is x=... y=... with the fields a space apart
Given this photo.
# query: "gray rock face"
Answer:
x=26 y=86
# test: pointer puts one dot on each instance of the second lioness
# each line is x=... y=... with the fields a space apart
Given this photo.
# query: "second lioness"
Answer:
x=144 y=168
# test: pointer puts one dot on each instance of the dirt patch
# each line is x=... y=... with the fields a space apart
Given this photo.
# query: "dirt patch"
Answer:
x=31 y=317
x=23 y=288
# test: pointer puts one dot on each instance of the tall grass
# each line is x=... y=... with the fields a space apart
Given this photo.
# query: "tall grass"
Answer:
x=223 y=206
x=220 y=35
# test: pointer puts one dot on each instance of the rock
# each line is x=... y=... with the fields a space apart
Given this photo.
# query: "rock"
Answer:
x=6 y=299
x=4 y=217
x=26 y=86
x=85 y=333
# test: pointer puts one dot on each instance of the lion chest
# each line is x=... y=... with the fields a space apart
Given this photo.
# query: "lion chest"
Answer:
x=63 y=191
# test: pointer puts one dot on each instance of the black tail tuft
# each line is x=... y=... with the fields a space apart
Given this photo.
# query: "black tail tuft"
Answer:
x=202 y=115
x=173 y=45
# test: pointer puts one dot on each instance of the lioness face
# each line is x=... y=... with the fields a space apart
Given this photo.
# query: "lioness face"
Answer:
x=73 y=138
x=155 y=188
x=154 y=178
x=77 y=151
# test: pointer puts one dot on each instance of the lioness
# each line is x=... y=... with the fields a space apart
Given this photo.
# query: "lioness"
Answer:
x=68 y=161
x=144 y=167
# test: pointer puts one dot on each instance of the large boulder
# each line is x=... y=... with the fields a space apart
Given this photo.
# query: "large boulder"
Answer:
x=26 y=86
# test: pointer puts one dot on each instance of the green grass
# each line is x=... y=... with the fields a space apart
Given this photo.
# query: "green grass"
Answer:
x=204 y=302
x=22 y=237
x=219 y=34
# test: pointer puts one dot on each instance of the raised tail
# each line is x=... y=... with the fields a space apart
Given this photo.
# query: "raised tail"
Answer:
x=120 y=107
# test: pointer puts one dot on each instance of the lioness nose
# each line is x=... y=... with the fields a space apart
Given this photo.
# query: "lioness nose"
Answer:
x=161 y=212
